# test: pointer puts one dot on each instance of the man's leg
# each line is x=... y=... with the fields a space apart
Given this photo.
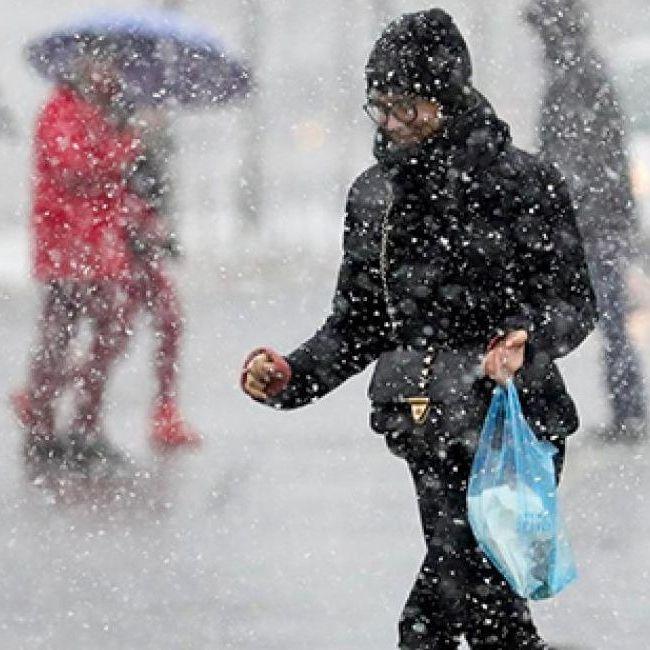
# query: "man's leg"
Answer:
x=111 y=313
x=423 y=624
x=620 y=358
x=496 y=617
x=464 y=592
x=433 y=614
x=47 y=372
x=161 y=299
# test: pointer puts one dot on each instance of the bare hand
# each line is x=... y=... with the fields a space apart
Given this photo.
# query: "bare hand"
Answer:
x=506 y=357
x=260 y=374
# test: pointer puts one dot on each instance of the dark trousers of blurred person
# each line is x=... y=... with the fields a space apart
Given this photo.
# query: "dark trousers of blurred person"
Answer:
x=65 y=304
x=152 y=290
x=148 y=289
x=113 y=308
x=620 y=360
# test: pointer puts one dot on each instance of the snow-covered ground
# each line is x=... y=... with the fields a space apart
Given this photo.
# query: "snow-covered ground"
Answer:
x=288 y=530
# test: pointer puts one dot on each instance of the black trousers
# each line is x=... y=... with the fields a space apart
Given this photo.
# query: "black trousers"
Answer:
x=621 y=361
x=457 y=592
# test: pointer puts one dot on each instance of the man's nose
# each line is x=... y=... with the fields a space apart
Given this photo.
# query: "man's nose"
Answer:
x=392 y=123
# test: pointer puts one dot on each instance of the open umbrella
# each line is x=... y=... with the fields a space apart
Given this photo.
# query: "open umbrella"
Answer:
x=164 y=57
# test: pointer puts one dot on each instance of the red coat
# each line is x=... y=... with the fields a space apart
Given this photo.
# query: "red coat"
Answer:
x=81 y=205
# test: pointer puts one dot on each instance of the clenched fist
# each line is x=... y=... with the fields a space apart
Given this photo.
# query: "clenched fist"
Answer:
x=265 y=374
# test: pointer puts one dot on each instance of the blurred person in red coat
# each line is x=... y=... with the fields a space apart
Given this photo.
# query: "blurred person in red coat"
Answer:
x=88 y=227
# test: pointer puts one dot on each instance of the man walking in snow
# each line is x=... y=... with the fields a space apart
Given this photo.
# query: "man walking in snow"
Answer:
x=581 y=130
x=462 y=266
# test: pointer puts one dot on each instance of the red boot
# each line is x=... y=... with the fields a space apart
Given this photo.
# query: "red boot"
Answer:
x=169 y=429
x=22 y=407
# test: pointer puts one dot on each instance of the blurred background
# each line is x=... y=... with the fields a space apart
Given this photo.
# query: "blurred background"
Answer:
x=288 y=531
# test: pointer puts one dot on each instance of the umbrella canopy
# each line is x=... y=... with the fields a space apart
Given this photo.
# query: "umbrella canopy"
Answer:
x=164 y=58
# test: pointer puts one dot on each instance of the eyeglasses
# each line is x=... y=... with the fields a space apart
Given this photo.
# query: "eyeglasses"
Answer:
x=404 y=111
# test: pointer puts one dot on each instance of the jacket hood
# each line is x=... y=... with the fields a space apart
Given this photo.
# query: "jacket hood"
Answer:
x=421 y=53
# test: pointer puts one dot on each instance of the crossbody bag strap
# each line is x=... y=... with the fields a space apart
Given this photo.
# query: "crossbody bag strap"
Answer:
x=421 y=404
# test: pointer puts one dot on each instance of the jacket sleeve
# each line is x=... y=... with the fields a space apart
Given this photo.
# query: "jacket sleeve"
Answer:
x=557 y=305
x=354 y=334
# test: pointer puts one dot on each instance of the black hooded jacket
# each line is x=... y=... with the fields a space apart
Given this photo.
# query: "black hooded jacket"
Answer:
x=481 y=239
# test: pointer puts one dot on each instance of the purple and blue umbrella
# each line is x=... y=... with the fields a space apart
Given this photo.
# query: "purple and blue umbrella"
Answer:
x=164 y=58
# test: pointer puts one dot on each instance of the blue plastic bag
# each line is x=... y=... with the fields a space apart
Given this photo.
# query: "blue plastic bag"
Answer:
x=512 y=502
